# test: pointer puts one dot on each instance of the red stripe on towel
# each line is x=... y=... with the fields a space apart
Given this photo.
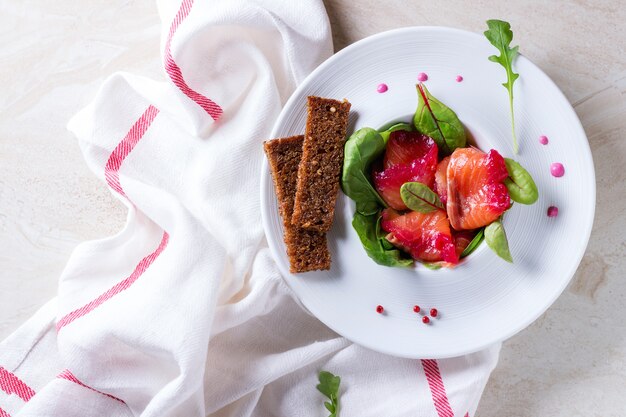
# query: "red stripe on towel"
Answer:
x=68 y=375
x=4 y=413
x=174 y=71
x=121 y=151
x=117 y=288
x=437 y=390
x=11 y=384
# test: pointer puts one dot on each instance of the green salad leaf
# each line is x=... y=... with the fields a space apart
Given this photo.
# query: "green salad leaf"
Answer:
x=433 y=266
x=495 y=236
x=398 y=126
x=418 y=197
x=474 y=244
x=361 y=149
x=375 y=244
x=329 y=386
x=520 y=184
x=501 y=36
x=380 y=235
x=435 y=119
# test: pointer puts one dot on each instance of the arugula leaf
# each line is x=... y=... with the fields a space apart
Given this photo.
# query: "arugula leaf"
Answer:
x=376 y=246
x=500 y=36
x=520 y=184
x=362 y=148
x=495 y=236
x=329 y=386
x=474 y=244
x=419 y=197
x=435 y=119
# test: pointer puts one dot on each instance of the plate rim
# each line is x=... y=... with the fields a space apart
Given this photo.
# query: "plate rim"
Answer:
x=266 y=186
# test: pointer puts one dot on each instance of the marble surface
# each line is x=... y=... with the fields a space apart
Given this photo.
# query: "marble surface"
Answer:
x=54 y=55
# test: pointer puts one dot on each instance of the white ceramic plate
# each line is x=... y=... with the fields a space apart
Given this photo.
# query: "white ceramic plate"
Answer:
x=484 y=300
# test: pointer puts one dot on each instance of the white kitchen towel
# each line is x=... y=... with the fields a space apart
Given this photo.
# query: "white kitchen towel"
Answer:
x=184 y=313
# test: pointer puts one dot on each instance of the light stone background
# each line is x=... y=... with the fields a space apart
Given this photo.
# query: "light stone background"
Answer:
x=55 y=54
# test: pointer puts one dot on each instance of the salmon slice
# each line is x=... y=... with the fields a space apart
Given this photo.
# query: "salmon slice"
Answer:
x=410 y=156
x=462 y=240
x=425 y=236
x=476 y=192
x=441 y=180
x=403 y=147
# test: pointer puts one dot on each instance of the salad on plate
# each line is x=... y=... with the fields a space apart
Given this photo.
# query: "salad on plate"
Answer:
x=424 y=194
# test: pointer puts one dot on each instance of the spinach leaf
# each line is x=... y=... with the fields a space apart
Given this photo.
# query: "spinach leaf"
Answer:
x=398 y=126
x=474 y=244
x=520 y=184
x=381 y=235
x=368 y=229
x=419 y=197
x=500 y=36
x=495 y=236
x=435 y=119
x=362 y=148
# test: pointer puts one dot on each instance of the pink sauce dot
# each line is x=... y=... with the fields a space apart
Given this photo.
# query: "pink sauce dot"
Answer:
x=459 y=78
x=553 y=211
x=382 y=88
x=422 y=76
x=543 y=140
x=557 y=169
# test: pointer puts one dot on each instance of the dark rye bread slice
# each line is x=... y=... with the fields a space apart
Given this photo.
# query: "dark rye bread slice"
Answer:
x=320 y=169
x=306 y=249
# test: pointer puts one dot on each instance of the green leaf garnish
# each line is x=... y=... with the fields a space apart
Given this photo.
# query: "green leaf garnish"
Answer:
x=398 y=126
x=432 y=265
x=361 y=149
x=474 y=244
x=381 y=235
x=520 y=184
x=329 y=386
x=375 y=244
x=495 y=237
x=435 y=119
x=418 y=197
x=500 y=36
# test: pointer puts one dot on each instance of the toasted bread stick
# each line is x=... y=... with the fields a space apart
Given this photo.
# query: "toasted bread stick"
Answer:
x=320 y=169
x=307 y=249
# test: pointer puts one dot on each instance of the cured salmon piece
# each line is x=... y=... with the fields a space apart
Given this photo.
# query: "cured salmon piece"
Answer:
x=462 y=240
x=441 y=180
x=409 y=156
x=403 y=147
x=476 y=192
x=425 y=236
